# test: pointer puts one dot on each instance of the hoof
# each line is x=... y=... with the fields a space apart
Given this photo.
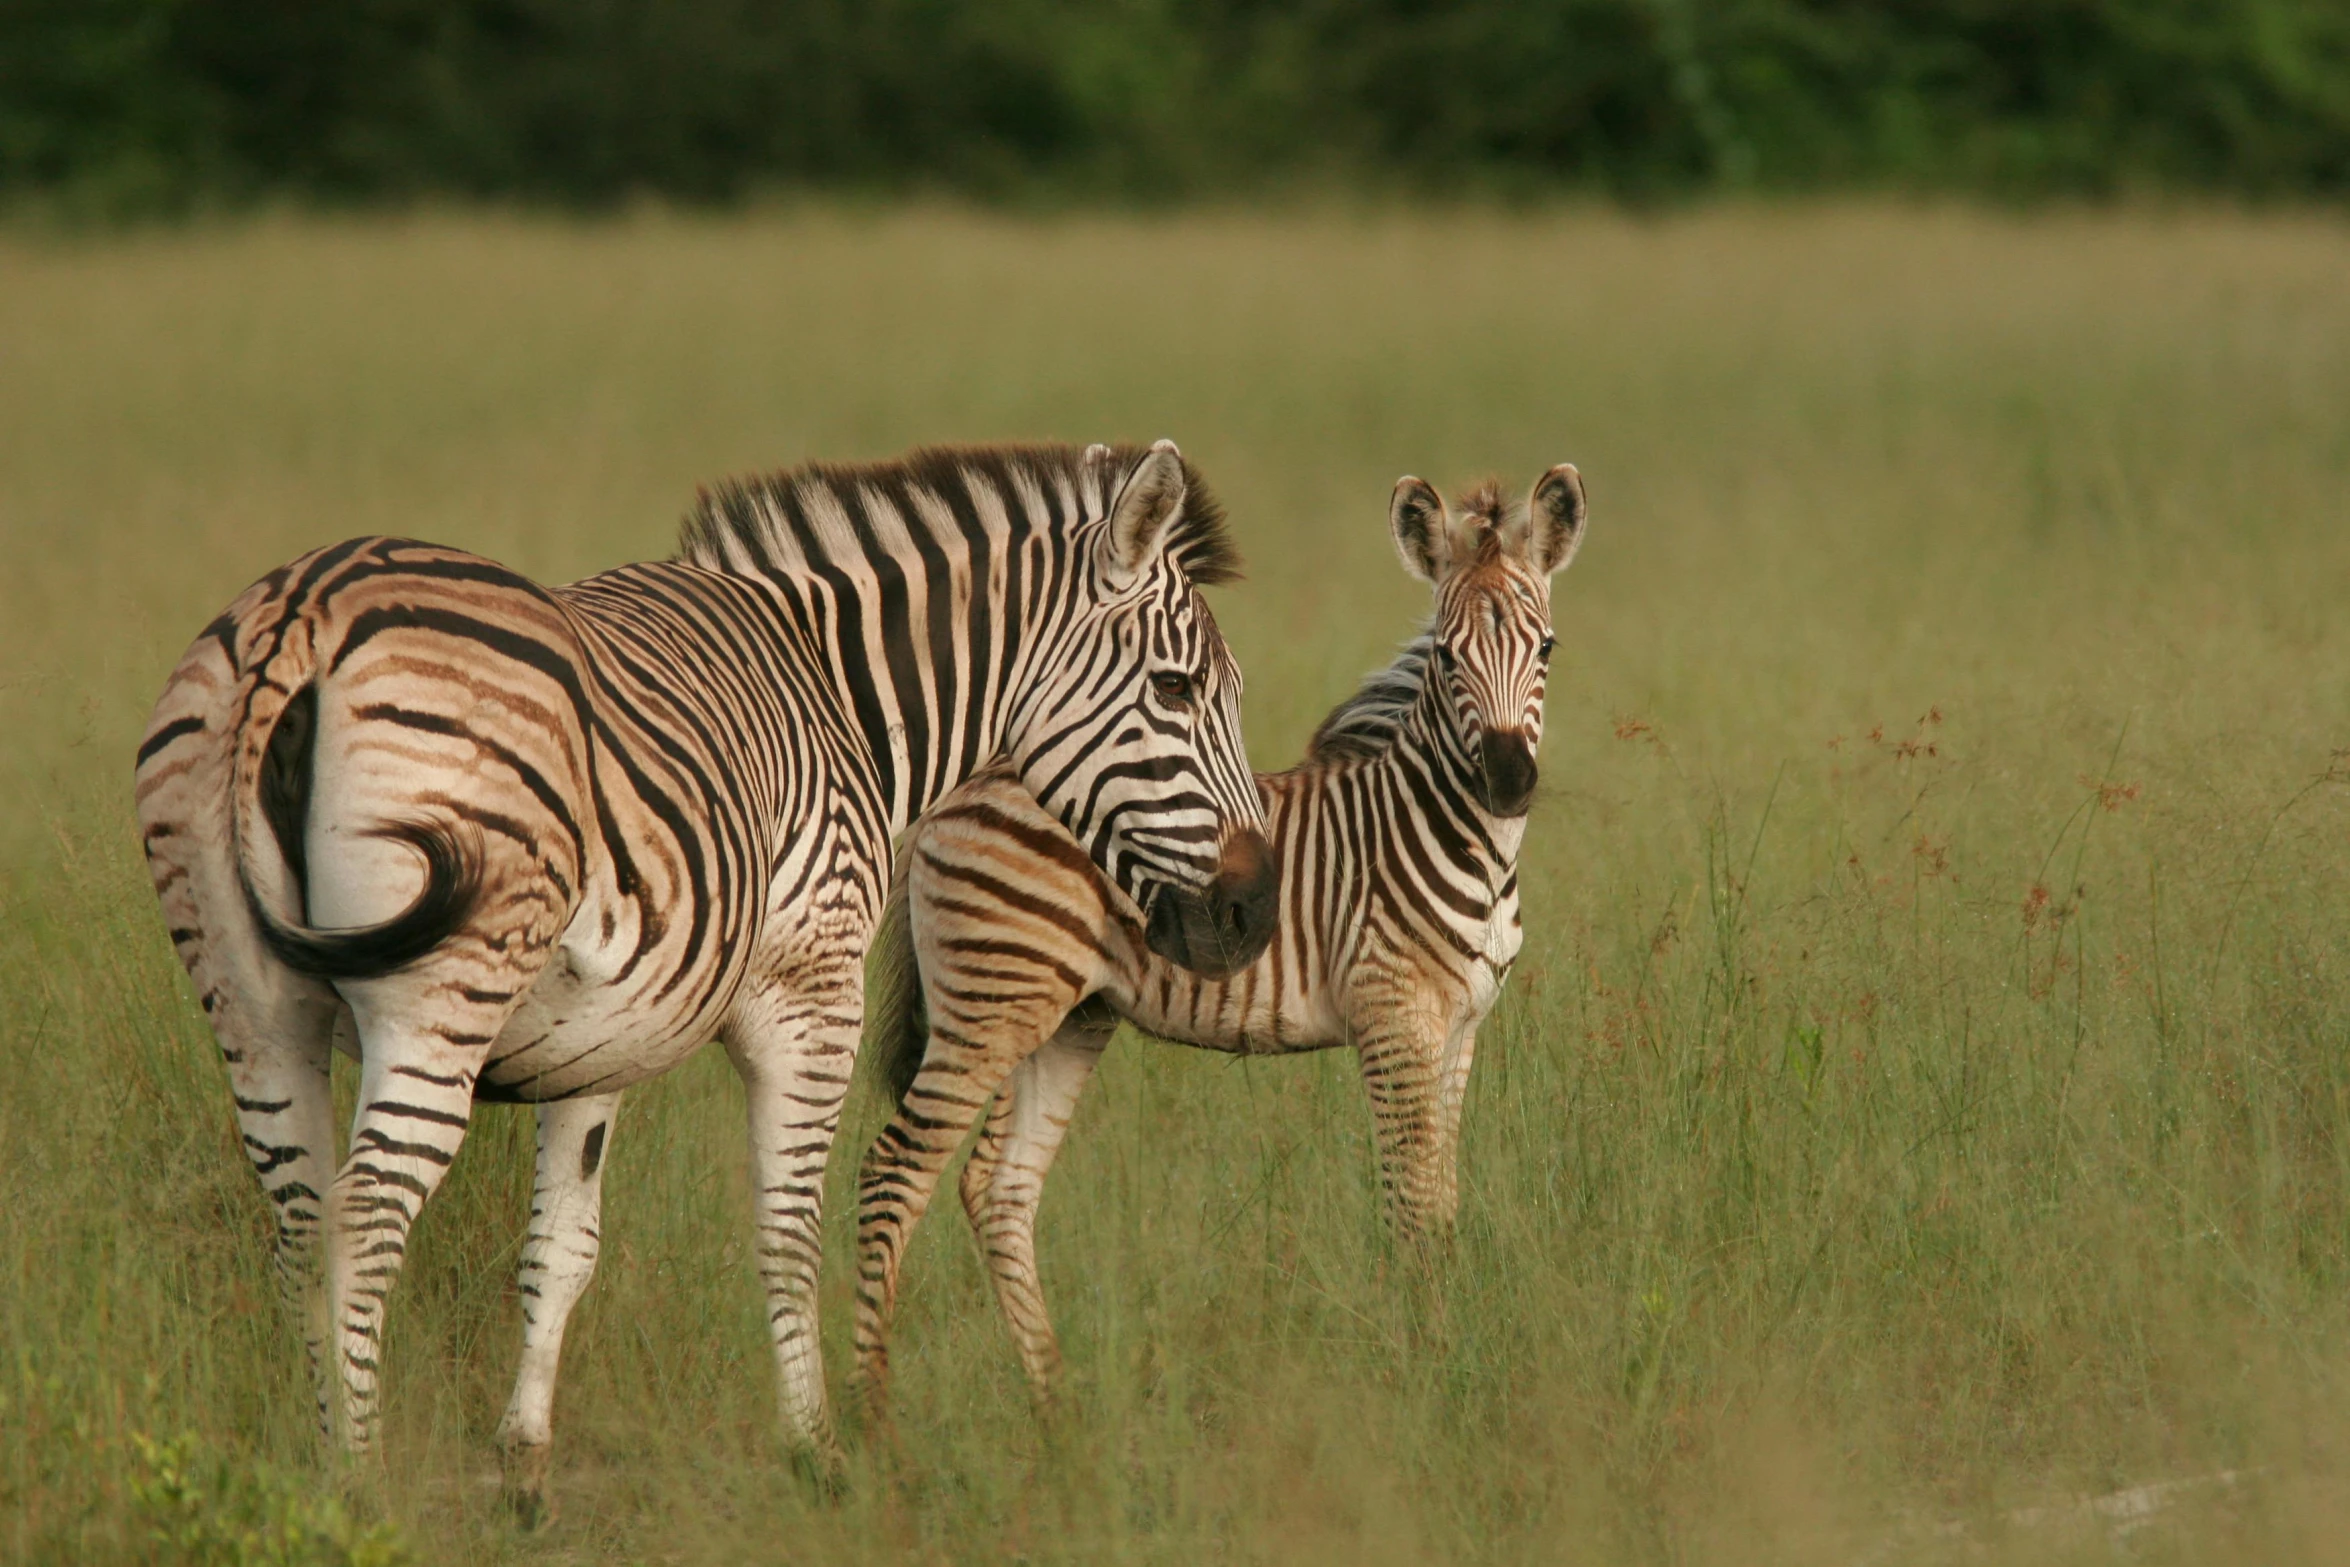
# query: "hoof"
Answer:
x=822 y=1471
x=530 y=1509
x=867 y=1398
x=525 y=1473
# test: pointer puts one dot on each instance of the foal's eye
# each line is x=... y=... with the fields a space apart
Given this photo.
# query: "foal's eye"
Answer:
x=1549 y=645
x=1172 y=684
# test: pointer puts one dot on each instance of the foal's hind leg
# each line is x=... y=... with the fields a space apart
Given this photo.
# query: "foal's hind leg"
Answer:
x=959 y=1076
x=1004 y=1182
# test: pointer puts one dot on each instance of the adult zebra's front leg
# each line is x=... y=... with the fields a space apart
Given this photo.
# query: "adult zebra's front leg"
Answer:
x=558 y=1260
x=795 y=1047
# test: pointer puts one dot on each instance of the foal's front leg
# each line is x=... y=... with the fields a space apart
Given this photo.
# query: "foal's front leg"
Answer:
x=1401 y=1034
x=1452 y=1093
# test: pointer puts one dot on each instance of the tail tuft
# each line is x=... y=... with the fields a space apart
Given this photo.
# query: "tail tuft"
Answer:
x=452 y=886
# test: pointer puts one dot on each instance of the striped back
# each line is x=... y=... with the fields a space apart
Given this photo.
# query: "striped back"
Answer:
x=1037 y=602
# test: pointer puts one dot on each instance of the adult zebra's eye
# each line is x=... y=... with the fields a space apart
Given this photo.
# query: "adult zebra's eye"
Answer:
x=1549 y=645
x=1172 y=684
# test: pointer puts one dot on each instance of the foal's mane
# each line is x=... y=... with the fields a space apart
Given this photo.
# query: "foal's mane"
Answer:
x=1367 y=722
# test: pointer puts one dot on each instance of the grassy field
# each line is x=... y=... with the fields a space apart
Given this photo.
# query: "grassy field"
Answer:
x=1925 y=1097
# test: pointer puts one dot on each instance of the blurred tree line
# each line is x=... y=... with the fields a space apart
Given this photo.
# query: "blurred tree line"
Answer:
x=130 y=105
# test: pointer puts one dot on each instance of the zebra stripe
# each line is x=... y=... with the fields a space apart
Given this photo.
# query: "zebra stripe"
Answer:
x=503 y=841
x=1397 y=841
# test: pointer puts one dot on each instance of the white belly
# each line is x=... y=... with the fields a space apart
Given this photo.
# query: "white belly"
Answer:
x=578 y=1030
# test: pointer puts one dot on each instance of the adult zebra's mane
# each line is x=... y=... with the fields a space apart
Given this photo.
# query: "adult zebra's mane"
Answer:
x=766 y=520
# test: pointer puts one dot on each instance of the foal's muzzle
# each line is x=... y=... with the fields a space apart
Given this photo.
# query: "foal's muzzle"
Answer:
x=1223 y=927
x=1506 y=776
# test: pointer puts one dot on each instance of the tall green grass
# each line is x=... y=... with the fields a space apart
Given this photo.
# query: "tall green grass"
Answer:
x=1926 y=1091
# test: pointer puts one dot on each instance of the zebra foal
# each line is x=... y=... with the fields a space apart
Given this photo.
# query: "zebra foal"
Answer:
x=507 y=842
x=1397 y=840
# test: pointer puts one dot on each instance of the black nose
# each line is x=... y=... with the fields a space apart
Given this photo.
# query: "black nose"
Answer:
x=1226 y=926
x=1508 y=775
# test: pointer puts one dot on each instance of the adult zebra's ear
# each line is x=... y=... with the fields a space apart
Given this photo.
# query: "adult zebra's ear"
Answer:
x=1554 y=519
x=1143 y=514
x=1416 y=516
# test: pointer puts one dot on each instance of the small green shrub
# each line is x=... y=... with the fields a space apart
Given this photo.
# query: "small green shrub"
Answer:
x=207 y=1509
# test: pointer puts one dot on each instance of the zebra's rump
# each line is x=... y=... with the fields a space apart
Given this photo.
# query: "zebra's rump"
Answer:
x=603 y=768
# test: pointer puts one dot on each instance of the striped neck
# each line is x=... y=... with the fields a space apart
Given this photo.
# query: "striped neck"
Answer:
x=957 y=639
x=963 y=603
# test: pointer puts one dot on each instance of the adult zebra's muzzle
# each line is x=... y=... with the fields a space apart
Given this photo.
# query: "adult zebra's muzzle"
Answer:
x=1223 y=927
x=1506 y=774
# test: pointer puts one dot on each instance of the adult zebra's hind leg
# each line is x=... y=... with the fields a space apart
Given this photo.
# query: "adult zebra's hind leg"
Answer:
x=1003 y=1182
x=558 y=1261
x=273 y=1026
x=277 y=1051
x=421 y=1046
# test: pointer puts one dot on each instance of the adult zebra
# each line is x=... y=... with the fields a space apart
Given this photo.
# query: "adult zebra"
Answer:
x=540 y=844
x=1398 y=843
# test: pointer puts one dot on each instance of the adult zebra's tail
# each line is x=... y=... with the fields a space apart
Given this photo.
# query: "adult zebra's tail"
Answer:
x=272 y=810
x=897 y=1023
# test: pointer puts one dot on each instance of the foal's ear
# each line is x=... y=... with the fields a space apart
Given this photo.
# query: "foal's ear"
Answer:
x=1554 y=518
x=1140 y=518
x=1422 y=528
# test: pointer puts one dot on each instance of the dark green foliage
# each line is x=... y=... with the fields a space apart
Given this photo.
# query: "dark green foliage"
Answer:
x=144 y=103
